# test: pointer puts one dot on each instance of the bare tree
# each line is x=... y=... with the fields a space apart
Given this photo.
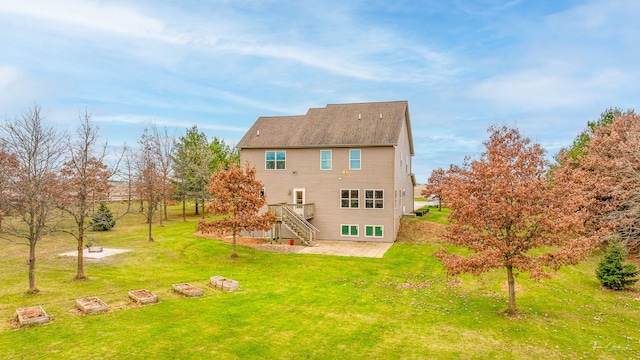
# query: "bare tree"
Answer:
x=164 y=143
x=31 y=192
x=149 y=182
x=127 y=172
x=85 y=180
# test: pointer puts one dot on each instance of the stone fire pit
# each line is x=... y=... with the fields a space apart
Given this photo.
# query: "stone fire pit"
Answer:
x=91 y=305
x=32 y=315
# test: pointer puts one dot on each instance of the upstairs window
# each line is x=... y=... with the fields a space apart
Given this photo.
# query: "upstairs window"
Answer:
x=374 y=199
x=275 y=160
x=349 y=198
x=354 y=159
x=325 y=159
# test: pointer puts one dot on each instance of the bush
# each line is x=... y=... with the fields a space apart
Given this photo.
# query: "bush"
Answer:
x=103 y=219
x=421 y=211
x=611 y=271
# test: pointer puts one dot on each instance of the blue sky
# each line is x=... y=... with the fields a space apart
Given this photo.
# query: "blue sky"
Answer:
x=545 y=66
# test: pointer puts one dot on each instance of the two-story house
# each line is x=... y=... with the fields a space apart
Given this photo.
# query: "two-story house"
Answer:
x=343 y=171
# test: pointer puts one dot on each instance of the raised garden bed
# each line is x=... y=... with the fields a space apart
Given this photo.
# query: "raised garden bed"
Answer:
x=32 y=315
x=91 y=305
x=187 y=290
x=223 y=283
x=143 y=296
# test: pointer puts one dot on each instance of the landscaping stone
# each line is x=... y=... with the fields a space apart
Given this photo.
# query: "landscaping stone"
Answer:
x=223 y=283
x=143 y=296
x=91 y=305
x=187 y=290
x=32 y=315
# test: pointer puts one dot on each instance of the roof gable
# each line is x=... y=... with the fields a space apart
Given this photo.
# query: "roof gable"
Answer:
x=336 y=125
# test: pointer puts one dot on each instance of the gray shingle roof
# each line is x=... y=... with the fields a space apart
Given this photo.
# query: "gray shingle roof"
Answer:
x=335 y=125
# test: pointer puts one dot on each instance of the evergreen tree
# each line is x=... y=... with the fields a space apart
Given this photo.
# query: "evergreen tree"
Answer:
x=612 y=273
x=103 y=219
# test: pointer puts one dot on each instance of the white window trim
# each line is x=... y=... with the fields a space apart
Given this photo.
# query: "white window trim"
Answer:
x=374 y=199
x=374 y=231
x=275 y=164
x=341 y=207
x=360 y=152
x=330 y=159
x=350 y=225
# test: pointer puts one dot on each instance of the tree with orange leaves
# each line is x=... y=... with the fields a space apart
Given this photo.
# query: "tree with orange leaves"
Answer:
x=503 y=206
x=236 y=196
x=611 y=167
x=84 y=181
x=434 y=186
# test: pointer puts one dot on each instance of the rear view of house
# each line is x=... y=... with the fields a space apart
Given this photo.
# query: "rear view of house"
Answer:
x=342 y=172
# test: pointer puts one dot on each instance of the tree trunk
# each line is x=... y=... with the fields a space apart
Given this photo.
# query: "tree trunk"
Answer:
x=150 y=233
x=32 y=268
x=80 y=274
x=512 y=290
x=196 y=207
x=150 y=220
x=164 y=204
x=184 y=208
x=233 y=246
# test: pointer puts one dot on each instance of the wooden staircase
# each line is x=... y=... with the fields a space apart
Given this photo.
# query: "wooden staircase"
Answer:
x=297 y=223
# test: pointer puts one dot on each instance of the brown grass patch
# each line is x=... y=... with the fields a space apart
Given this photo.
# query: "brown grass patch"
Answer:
x=421 y=232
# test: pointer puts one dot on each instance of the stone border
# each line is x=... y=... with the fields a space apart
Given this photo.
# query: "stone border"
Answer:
x=187 y=290
x=150 y=297
x=23 y=319
x=91 y=305
x=223 y=283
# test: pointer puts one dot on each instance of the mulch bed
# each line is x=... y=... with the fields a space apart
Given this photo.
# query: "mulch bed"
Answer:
x=257 y=243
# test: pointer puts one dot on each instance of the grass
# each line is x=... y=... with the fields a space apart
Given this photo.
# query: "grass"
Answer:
x=303 y=306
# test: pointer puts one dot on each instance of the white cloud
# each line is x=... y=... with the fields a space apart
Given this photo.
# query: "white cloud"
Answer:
x=546 y=89
x=77 y=16
x=9 y=75
x=148 y=120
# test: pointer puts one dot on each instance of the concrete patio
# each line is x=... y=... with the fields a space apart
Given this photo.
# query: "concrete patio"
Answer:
x=347 y=248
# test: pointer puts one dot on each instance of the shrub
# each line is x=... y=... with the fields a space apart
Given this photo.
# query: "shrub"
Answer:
x=103 y=219
x=611 y=271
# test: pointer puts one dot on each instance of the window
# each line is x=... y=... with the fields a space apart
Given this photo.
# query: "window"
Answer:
x=349 y=230
x=275 y=160
x=349 y=198
x=325 y=159
x=407 y=163
x=373 y=231
x=374 y=199
x=354 y=159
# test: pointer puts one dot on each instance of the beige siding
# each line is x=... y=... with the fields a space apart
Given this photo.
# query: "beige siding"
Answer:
x=402 y=175
x=322 y=187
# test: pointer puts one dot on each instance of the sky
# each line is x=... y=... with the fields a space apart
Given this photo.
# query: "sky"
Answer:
x=546 y=67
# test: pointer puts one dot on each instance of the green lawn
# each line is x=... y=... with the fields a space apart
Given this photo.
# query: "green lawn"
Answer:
x=303 y=306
